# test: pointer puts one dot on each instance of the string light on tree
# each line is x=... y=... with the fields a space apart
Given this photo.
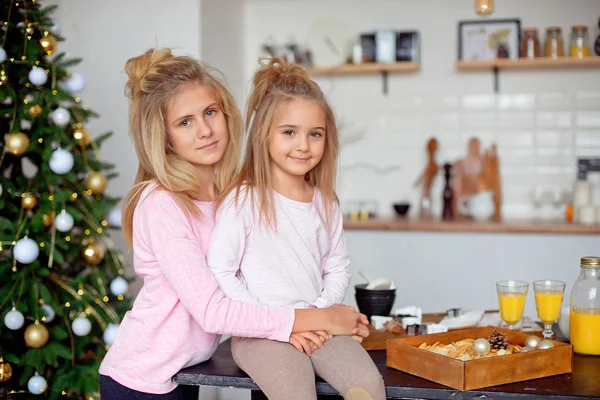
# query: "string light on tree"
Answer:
x=17 y=143
x=119 y=286
x=36 y=335
x=38 y=76
x=14 y=319
x=37 y=384
x=61 y=162
x=81 y=326
x=64 y=221
x=26 y=250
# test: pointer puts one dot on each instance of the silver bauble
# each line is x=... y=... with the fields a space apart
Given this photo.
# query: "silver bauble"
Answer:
x=532 y=341
x=545 y=344
x=481 y=346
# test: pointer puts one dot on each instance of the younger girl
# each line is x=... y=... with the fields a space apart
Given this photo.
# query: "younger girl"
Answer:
x=279 y=240
x=187 y=133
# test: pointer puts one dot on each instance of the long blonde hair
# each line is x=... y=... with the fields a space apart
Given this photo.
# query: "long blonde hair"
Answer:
x=154 y=77
x=275 y=83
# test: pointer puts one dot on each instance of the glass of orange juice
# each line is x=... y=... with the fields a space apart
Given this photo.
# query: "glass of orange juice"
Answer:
x=511 y=296
x=548 y=302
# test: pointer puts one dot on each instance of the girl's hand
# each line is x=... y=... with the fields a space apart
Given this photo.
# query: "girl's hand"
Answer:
x=361 y=331
x=309 y=341
x=359 y=339
x=345 y=320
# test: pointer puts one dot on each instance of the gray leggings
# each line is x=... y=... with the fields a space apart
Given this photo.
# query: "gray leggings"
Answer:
x=284 y=373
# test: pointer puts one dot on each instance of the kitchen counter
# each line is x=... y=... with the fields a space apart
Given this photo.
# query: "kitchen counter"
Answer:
x=505 y=226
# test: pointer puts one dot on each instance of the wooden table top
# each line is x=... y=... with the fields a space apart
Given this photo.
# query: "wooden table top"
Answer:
x=584 y=382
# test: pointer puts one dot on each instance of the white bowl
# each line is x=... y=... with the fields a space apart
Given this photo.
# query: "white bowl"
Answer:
x=563 y=321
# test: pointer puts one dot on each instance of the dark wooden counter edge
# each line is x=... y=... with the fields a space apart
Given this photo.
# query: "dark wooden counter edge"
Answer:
x=508 y=226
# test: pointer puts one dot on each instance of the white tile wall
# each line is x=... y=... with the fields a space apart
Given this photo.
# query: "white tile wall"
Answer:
x=539 y=137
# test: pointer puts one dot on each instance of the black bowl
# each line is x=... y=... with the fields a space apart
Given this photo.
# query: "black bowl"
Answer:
x=401 y=208
x=374 y=302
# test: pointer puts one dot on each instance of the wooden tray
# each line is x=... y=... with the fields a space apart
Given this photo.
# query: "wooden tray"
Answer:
x=403 y=354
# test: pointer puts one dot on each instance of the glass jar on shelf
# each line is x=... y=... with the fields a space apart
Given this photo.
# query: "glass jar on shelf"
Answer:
x=584 y=320
x=554 y=45
x=530 y=45
x=580 y=42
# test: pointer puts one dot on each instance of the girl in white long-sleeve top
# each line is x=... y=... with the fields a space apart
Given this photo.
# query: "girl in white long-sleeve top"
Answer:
x=279 y=240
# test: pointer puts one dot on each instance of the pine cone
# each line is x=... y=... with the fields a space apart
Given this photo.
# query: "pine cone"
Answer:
x=498 y=340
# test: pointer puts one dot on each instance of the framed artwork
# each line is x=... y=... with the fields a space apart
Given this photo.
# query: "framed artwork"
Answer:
x=489 y=39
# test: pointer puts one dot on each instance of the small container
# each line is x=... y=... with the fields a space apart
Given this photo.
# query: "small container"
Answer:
x=530 y=45
x=554 y=45
x=580 y=42
x=584 y=320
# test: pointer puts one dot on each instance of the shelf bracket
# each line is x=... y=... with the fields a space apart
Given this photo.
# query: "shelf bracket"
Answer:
x=496 y=83
x=384 y=77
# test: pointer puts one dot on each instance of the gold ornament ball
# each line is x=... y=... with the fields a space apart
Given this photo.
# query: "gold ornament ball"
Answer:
x=3 y=78
x=96 y=182
x=17 y=143
x=36 y=335
x=35 y=110
x=5 y=370
x=82 y=135
x=93 y=253
x=48 y=44
x=28 y=201
x=48 y=219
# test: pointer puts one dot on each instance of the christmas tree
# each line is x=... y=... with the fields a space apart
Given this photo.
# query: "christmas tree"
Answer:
x=62 y=281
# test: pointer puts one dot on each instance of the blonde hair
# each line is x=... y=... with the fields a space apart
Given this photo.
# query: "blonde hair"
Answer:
x=275 y=83
x=154 y=78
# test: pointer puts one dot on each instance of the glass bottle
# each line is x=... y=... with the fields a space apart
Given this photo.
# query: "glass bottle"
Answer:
x=530 y=45
x=580 y=42
x=554 y=45
x=584 y=320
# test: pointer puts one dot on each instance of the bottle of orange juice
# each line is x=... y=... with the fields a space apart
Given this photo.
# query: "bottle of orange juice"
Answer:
x=584 y=326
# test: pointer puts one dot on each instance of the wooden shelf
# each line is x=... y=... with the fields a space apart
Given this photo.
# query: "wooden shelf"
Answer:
x=367 y=68
x=524 y=63
x=514 y=226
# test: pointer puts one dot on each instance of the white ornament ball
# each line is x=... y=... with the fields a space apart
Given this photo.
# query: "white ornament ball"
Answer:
x=119 y=286
x=49 y=313
x=532 y=341
x=55 y=28
x=81 y=326
x=2 y=54
x=114 y=218
x=61 y=116
x=525 y=350
x=75 y=83
x=14 y=319
x=481 y=346
x=545 y=344
x=37 y=384
x=64 y=221
x=7 y=100
x=26 y=250
x=38 y=76
x=110 y=332
x=61 y=162
x=25 y=124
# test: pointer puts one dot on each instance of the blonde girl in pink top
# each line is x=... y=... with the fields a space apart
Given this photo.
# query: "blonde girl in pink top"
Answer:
x=279 y=240
x=187 y=133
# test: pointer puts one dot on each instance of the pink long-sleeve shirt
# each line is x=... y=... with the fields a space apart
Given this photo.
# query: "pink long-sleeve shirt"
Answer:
x=180 y=312
x=303 y=262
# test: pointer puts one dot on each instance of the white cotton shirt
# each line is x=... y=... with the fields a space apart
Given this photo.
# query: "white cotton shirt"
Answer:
x=301 y=263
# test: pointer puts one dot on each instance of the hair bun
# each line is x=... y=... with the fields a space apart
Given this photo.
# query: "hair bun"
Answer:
x=137 y=68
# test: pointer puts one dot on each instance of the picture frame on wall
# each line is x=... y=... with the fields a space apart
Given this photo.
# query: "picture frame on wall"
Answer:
x=489 y=39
